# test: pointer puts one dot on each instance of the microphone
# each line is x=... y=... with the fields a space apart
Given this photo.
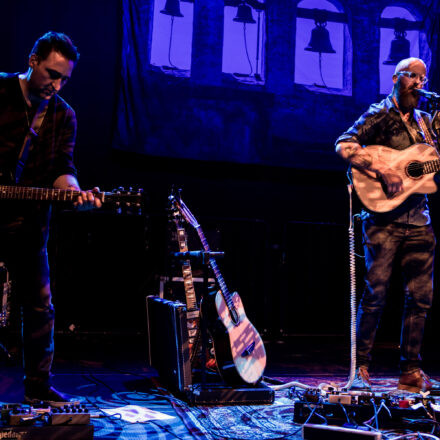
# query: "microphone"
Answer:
x=428 y=95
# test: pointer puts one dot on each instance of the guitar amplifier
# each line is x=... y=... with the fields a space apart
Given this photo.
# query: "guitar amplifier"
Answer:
x=168 y=347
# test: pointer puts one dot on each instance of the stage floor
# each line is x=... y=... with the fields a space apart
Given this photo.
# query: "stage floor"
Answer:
x=107 y=373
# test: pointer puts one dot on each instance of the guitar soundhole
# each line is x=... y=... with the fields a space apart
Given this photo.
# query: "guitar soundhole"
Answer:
x=415 y=170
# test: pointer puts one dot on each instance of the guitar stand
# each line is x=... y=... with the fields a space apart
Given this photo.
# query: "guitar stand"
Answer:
x=218 y=392
x=169 y=355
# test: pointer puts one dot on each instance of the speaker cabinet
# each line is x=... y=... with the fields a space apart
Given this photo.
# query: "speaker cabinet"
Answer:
x=168 y=350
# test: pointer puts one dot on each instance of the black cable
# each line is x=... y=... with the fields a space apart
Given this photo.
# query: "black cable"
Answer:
x=105 y=415
x=345 y=412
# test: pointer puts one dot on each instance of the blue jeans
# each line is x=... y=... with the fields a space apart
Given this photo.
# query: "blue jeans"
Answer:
x=23 y=242
x=412 y=249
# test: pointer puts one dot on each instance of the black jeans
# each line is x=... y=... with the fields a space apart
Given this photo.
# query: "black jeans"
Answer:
x=412 y=248
x=23 y=243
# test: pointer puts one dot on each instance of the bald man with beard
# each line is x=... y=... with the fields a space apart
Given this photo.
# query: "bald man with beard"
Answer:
x=402 y=238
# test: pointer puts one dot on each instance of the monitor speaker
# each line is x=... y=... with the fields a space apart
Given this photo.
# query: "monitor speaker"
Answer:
x=168 y=347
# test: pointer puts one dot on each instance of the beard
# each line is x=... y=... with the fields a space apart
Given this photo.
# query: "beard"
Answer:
x=409 y=98
x=406 y=93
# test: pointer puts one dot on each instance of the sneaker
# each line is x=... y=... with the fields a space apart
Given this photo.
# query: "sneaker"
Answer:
x=361 y=381
x=417 y=381
x=37 y=394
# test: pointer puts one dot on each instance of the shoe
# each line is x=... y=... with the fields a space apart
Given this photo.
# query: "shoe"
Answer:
x=37 y=394
x=417 y=381
x=361 y=381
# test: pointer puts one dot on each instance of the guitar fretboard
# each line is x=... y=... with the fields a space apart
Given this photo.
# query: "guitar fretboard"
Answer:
x=31 y=193
x=431 y=166
x=120 y=198
x=191 y=302
x=225 y=292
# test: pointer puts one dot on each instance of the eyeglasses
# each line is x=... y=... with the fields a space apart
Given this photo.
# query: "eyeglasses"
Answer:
x=413 y=75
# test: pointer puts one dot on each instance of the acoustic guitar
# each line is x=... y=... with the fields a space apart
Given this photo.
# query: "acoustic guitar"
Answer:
x=415 y=165
x=239 y=350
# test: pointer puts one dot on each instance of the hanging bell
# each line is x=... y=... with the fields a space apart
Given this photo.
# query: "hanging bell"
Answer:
x=399 y=49
x=244 y=14
x=172 y=7
x=320 y=40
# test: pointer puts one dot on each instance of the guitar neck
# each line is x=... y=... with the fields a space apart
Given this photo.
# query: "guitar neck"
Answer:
x=188 y=282
x=192 y=311
x=216 y=270
x=31 y=193
x=120 y=198
x=431 y=166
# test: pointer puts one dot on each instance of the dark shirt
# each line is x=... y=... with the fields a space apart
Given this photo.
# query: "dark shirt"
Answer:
x=50 y=156
x=382 y=124
x=52 y=152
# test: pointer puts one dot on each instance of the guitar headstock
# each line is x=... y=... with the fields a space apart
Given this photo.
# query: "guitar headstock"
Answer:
x=177 y=205
x=130 y=201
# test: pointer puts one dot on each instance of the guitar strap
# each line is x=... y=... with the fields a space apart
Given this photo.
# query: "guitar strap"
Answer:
x=424 y=128
x=420 y=122
x=27 y=143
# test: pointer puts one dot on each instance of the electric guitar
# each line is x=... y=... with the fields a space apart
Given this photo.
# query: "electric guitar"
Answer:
x=192 y=310
x=239 y=350
x=119 y=197
x=415 y=165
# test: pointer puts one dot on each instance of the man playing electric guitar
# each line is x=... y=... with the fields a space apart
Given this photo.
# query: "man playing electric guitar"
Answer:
x=402 y=236
x=37 y=137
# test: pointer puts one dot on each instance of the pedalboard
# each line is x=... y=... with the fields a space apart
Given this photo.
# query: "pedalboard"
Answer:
x=25 y=422
x=25 y=415
x=354 y=409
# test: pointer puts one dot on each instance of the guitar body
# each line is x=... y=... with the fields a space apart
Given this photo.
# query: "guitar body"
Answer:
x=239 y=349
x=407 y=163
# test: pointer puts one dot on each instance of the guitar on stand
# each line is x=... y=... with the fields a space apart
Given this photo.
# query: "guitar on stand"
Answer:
x=192 y=310
x=239 y=350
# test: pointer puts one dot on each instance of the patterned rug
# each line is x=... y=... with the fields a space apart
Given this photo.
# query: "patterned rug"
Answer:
x=179 y=420
x=262 y=422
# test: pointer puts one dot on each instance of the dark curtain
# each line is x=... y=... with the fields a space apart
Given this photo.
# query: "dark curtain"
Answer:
x=168 y=114
x=433 y=34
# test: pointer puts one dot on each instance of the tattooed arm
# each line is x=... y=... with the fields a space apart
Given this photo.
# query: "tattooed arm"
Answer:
x=360 y=158
x=355 y=154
